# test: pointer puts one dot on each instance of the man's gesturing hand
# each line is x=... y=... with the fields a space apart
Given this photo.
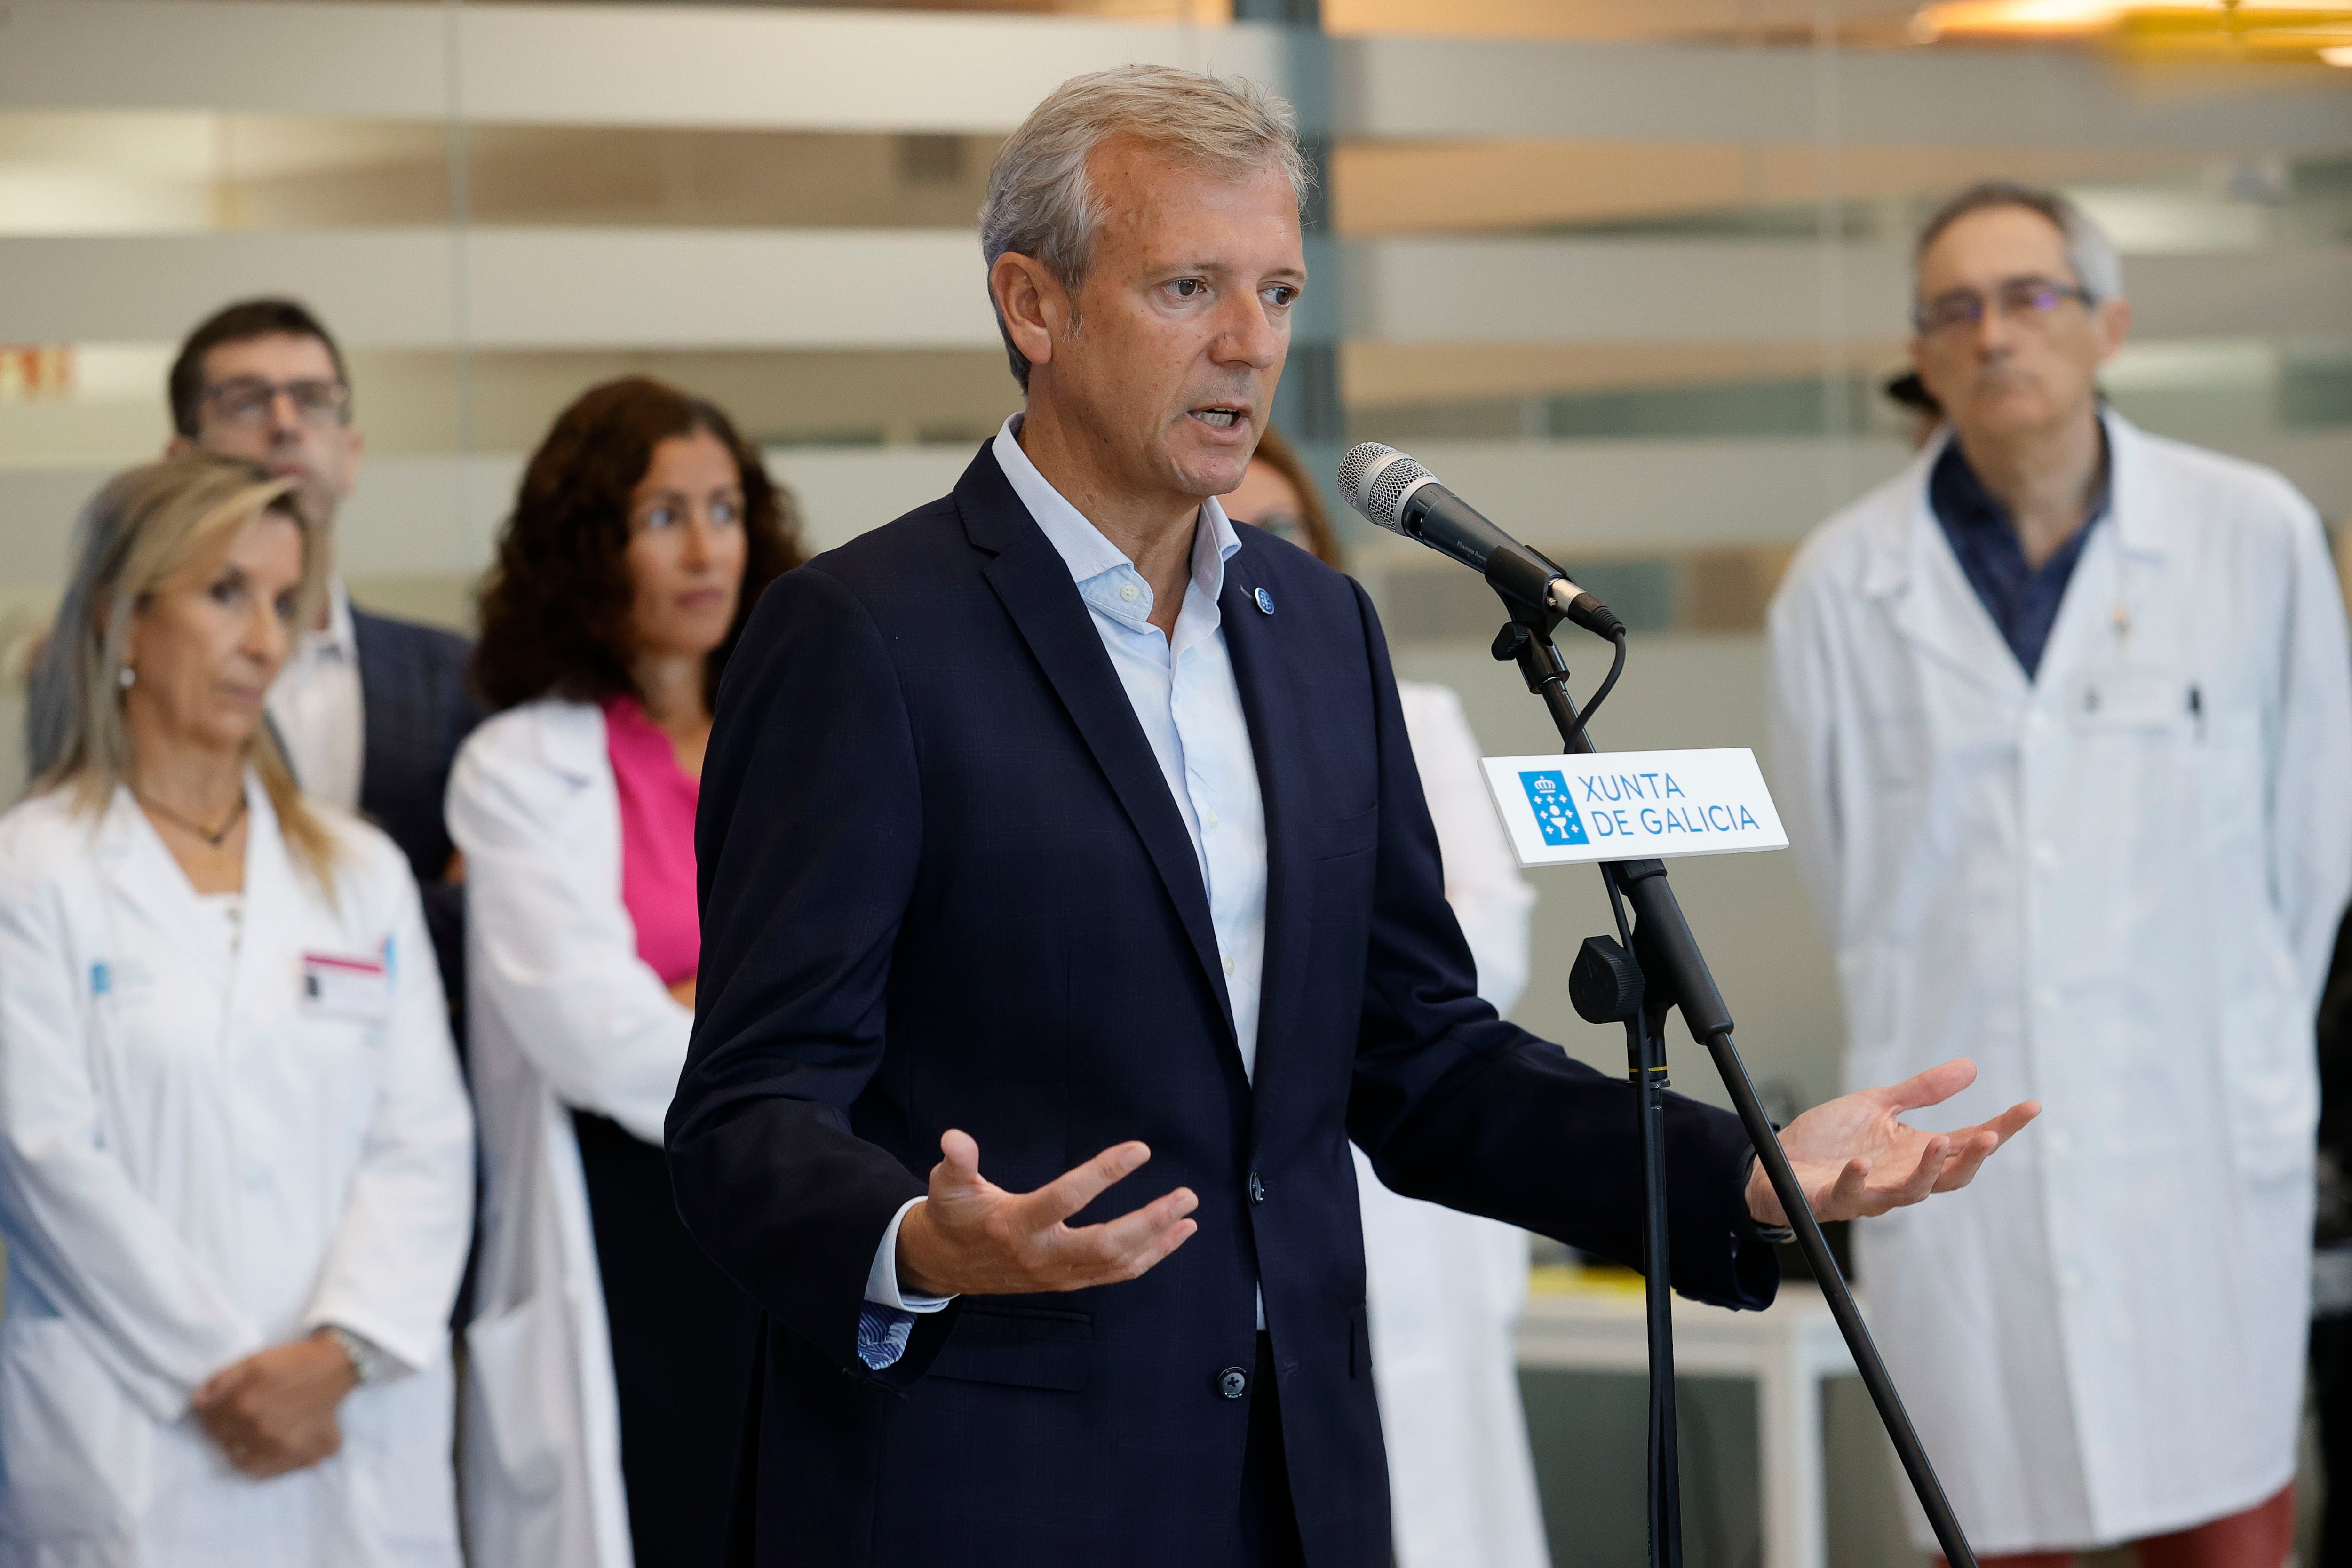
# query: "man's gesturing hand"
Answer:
x=1853 y=1158
x=972 y=1238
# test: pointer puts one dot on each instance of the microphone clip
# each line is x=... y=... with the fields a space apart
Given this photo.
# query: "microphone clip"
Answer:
x=1526 y=637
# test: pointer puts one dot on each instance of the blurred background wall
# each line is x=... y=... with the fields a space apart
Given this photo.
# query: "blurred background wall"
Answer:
x=1627 y=273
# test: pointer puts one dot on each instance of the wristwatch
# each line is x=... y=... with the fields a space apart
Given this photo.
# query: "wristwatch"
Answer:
x=369 y=1363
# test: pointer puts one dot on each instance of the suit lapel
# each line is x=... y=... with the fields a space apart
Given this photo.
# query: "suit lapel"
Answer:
x=139 y=866
x=377 y=750
x=1270 y=706
x=1033 y=581
x=1910 y=569
x=1943 y=615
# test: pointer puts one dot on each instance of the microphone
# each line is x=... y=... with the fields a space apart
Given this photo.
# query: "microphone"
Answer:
x=1400 y=495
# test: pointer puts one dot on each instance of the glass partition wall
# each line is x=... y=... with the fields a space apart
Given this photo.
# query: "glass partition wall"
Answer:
x=1632 y=278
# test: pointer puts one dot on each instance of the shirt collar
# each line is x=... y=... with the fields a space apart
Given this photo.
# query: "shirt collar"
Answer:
x=339 y=639
x=1100 y=568
x=1960 y=499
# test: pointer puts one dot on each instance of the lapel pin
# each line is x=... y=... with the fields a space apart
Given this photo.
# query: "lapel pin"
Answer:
x=1266 y=601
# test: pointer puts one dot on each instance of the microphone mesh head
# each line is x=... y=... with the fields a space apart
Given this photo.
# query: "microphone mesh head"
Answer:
x=1385 y=505
x=1375 y=478
x=1356 y=473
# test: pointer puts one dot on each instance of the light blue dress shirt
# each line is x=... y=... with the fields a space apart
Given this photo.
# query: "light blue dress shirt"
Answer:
x=1186 y=699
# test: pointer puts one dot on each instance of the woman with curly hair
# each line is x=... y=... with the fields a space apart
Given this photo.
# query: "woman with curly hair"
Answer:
x=609 y=1360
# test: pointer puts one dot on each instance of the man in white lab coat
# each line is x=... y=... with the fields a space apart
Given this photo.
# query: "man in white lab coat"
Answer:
x=2063 y=729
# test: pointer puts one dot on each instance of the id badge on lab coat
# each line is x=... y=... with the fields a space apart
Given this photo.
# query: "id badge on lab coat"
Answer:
x=2129 y=697
x=336 y=985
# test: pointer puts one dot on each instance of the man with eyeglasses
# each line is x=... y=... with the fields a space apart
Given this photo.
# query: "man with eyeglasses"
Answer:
x=2062 y=719
x=370 y=709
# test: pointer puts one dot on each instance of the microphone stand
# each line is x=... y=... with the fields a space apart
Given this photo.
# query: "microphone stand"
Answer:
x=1653 y=966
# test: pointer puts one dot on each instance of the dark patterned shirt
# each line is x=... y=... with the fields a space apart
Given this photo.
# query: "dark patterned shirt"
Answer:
x=2022 y=601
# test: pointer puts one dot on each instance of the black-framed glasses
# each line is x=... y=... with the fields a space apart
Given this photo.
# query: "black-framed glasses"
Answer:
x=248 y=400
x=2019 y=300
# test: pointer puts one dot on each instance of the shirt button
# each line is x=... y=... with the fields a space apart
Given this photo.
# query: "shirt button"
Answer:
x=1256 y=1188
x=2045 y=995
x=1233 y=1382
x=1210 y=819
x=2056 y=1143
x=1229 y=966
x=1127 y=591
x=2045 y=855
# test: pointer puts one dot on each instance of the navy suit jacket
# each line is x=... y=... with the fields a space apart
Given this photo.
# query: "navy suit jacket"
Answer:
x=944 y=885
x=414 y=711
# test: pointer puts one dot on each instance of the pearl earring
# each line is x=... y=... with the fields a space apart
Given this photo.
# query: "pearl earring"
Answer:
x=128 y=677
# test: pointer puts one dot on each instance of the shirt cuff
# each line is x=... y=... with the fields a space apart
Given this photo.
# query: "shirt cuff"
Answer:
x=1777 y=1235
x=882 y=1280
x=882 y=1335
x=370 y=1362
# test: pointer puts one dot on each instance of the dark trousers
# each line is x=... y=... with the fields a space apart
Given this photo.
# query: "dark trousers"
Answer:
x=2331 y=1393
x=1269 y=1534
x=683 y=1341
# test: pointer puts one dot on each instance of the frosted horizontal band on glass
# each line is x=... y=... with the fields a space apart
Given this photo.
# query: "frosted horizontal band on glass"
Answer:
x=783 y=69
x=414 y=515
x=677 y=287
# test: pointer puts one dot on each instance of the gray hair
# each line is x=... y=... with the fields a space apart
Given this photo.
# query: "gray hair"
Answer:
x=140 y=530
x=1040 y=202
x=2089 y=251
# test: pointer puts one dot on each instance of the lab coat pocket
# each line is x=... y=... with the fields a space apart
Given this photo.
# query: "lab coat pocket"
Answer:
x=2271 y=1071
x=396 y=1457
x=2228 y=779
x=519 y=1400
x=77 y=1454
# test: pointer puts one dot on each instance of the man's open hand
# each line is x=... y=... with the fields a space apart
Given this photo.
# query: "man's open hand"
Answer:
x=972 y=1238
x=1853 y=1158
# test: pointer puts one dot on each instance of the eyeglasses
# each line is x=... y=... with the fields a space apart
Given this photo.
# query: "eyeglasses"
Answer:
x=248 y=400
x=2019 y=300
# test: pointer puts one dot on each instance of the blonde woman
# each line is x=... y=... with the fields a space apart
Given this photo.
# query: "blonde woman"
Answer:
x=235 y=1158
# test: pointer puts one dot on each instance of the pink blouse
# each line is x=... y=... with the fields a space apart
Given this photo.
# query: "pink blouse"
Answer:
x=657 y=801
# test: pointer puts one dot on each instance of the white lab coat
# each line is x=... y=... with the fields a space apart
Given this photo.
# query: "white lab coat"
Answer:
x=563 y=1015
x=1446 y=1288
x=196 y=1162
x=2115 y=887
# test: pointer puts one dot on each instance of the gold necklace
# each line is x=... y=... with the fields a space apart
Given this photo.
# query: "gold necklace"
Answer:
x=214 y=837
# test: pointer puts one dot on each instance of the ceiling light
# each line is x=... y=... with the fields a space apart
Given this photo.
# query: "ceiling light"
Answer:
x=2018 y=19
x=2234 y=29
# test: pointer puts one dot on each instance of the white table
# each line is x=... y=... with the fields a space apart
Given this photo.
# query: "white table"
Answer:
x=1597 y=1324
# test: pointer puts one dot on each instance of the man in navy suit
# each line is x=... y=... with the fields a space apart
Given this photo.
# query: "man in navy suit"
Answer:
x=1062 y=826
x=370 y=709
